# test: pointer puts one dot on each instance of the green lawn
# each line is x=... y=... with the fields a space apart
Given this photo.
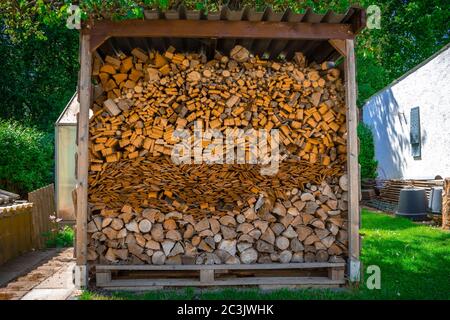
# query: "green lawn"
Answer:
x=414 y=262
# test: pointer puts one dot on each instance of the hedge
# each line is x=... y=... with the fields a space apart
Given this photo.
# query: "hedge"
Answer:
x=26 y=160
x=367 y=153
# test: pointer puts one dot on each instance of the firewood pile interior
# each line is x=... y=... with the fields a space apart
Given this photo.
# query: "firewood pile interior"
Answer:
x=146 y=209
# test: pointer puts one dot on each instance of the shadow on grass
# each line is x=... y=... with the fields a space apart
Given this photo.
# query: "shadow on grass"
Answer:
x=381 y=221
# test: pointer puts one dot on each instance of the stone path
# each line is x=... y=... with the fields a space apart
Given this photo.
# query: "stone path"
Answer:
x=25 y=263
x=50 y=280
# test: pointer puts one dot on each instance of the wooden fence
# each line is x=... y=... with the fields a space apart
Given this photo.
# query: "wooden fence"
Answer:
x=43 y=207
x=22 y=225
x=15 y=231
x=446 y=205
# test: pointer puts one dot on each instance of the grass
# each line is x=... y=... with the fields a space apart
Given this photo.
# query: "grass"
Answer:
x=413 y=259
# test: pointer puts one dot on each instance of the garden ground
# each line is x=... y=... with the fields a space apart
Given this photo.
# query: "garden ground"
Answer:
x=413 y=259
x=38 y=275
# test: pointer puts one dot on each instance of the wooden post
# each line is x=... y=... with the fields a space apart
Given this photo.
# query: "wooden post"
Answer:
x=336 y=273
x=85 y=89
x=352 y=164
x=207 y=276
x=102 y=278
x=339 y=45
x=103 y=30
x=446 y=205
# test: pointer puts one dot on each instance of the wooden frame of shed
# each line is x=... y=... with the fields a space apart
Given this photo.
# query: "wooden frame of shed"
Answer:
x=320 y=36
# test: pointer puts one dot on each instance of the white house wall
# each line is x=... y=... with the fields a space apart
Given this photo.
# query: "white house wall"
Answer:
x=388 y=115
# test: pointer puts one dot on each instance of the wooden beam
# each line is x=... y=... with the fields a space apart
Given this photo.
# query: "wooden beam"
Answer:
x=446 y=205
x=207 y=276
x=352 y=163
x=339 y=45
x=358 y=20
x=85 y=91
x=147 y=284
x=260 y=266
x=102 y=30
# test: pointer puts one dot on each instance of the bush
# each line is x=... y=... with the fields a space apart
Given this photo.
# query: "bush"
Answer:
x=26 y=161
x=59 y=237
x=367 y=153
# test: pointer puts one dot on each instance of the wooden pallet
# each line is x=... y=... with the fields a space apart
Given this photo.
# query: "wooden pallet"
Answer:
x=390 y=190
x=144 y=277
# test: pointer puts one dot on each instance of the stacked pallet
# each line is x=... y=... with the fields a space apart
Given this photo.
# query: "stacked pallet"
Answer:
x=147 y=209
x=390 y=190
x=368 y=187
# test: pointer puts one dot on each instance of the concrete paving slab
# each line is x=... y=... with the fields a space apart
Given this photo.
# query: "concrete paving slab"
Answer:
x=7 y=294
x=60 y=280
x=23 y=264
x=35 y=276
x=48 y=267
x=75 y=295
x=51 y=279
x=48 y=294
x=22 y=285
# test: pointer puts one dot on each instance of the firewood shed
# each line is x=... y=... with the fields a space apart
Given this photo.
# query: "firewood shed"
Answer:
x=269 y=35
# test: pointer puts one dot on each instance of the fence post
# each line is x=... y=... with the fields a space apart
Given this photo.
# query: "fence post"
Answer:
x=43 y=208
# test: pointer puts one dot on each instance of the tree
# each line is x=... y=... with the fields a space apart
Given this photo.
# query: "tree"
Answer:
x=27 y=157
x=367 y=153
x=411 y=31
x=39 y=66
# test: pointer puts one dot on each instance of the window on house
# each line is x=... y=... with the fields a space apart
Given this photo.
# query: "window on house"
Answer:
x=414 y=132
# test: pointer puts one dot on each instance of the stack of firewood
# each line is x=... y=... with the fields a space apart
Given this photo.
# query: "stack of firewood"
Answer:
x=308 y=226
x=196 y=189
x=147 y=209
x=149 y=96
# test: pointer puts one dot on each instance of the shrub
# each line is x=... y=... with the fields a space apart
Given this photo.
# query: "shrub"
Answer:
x=26 y=161
x=367 y=153
x=59 y=238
